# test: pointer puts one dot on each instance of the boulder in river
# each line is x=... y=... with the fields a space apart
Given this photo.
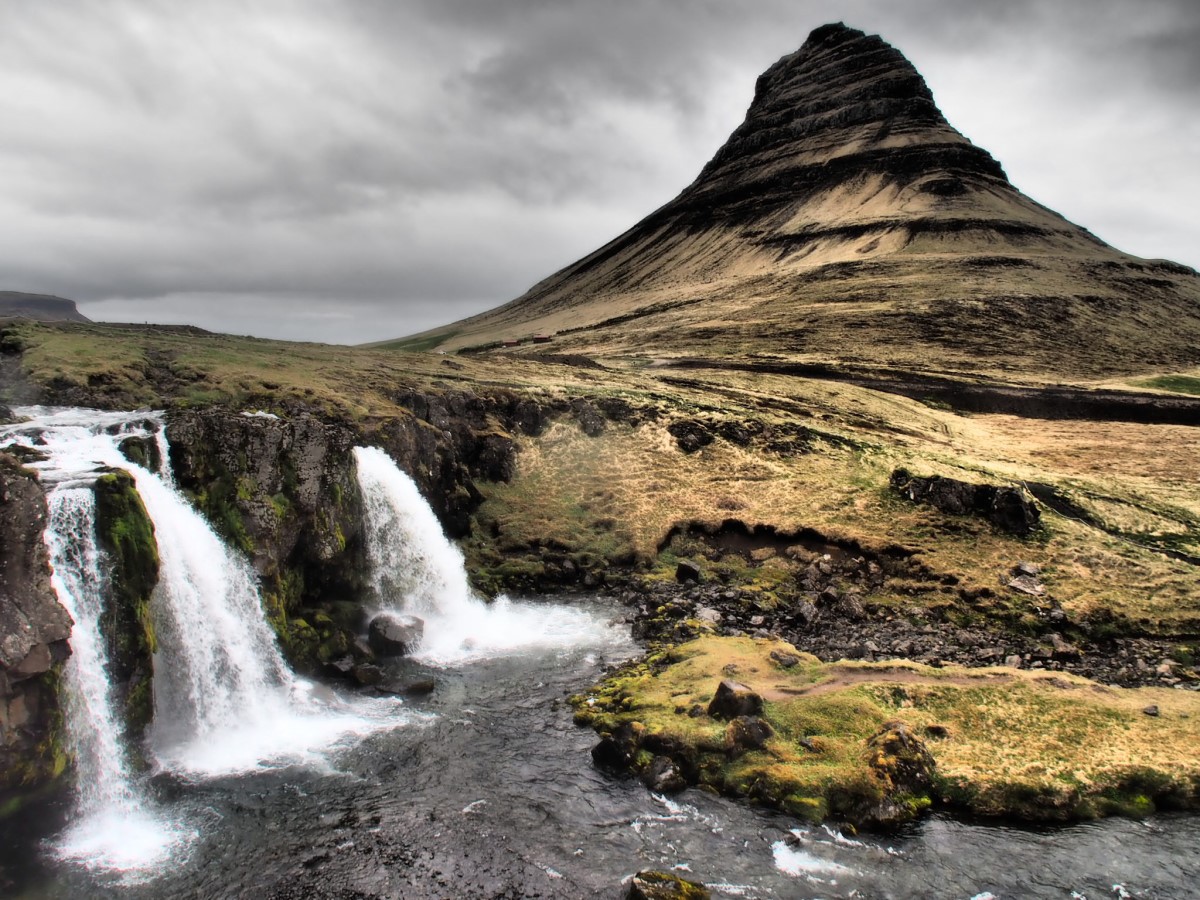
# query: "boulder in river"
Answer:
x=395 y=635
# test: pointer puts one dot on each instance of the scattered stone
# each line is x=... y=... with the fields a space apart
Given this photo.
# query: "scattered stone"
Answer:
x=708 y=614
x=1027 y=584
x=395 y=635
x=1151 y=710
x=805 y=613
x=747 y=733
x=650 y=885
x=785 y=660
x=1013 y=661
x=687 y=571
x=734 y=699
x=1027 y=568
x=938 y=732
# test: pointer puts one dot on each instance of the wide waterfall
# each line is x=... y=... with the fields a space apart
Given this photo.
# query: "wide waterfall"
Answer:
x=416 y=570
x=224 y=700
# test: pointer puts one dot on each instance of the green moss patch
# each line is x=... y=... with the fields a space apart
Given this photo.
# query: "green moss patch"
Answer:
x=850 y=739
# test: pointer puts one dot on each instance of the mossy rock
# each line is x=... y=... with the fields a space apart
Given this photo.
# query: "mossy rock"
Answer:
x=652 y=885
x=126 y=534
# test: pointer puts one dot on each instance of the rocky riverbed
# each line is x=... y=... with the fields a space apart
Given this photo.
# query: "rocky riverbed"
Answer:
x=834 y=626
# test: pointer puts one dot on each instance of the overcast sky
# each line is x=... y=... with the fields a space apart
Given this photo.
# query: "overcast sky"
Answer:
x=357 y=170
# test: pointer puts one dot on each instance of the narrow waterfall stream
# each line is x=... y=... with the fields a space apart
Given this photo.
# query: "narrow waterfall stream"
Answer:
x=416 y=570
x=271 y=788
x=116 y=828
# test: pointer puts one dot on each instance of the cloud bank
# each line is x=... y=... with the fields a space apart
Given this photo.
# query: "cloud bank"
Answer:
x=352 y=171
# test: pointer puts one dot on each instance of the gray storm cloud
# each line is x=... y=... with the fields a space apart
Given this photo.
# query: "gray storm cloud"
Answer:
x=352 y=171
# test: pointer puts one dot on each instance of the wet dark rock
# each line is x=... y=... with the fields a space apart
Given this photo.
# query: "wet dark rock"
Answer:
x=395 y=635
x=368 y=674
x=734 y=699
x=1008 y=508
x=421 y=687
x=33 y=636
x=746 y=733
x=650 y=885
x=687 y=571
x=141 y=451
x=663 y=776
x=342 y=667
x=618 y=751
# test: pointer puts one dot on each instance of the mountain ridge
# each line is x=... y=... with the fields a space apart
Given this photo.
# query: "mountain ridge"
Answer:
x=845 y=219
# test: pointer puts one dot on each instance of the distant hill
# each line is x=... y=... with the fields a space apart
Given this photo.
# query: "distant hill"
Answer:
x=39 y=306
x=845 y=220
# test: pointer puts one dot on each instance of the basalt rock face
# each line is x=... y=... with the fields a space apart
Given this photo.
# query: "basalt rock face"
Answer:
x=283 y=491
x=845 y=219
x=33 y=639
x=39 y=306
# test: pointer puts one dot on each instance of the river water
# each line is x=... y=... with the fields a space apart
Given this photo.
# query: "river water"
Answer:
x=494 y=795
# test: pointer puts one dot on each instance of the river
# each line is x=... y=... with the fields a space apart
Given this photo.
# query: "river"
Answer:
x=494 y=795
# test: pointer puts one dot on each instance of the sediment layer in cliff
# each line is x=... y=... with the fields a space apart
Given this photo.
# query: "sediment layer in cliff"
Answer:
x=845 y=219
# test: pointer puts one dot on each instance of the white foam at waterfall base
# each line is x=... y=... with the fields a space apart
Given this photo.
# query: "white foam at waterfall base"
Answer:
x=417 y=570
x=113 y=828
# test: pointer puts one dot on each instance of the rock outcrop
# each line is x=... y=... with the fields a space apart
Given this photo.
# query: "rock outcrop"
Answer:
x=1008 y=508
x=846 y=219
x=44 y=307
x=33 y=640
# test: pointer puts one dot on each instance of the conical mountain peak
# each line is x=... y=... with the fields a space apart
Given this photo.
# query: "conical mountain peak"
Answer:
x=845 y=218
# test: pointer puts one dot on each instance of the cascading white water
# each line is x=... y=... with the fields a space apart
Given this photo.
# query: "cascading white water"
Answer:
x=415 y=569
x=114 y=827
x=224 y=700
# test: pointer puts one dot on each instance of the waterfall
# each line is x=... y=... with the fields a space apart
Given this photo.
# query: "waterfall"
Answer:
x=113 y=827
x=416 y=570
x=224 y=700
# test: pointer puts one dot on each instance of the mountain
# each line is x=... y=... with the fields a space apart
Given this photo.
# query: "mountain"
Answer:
x=39 y=306
x=846 y=221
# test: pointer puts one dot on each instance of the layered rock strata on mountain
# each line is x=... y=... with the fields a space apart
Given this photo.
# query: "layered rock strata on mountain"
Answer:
x=846 y=219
